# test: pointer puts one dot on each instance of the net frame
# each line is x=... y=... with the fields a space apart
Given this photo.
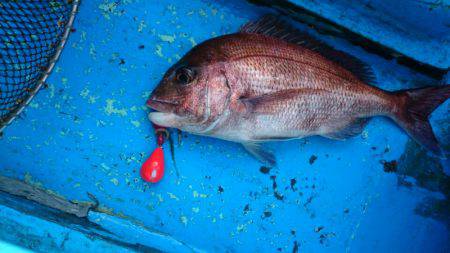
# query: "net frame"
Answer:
x=46 y=70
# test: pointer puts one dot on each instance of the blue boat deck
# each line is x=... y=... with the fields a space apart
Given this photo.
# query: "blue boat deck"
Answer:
x=88 y=132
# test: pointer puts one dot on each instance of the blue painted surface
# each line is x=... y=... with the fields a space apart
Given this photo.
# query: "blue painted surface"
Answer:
x=137 y=234
x=419 y=29
x=88 y=132
x=44 y=236
x=7 y=247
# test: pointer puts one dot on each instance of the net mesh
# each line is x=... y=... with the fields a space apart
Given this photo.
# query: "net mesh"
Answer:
x=32 y=34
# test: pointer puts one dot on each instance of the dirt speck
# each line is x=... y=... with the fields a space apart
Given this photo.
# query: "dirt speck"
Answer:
x=295 y=249
x=293 y=182
x=274 y=184
x=246 y=209
x=276 y=194
x=318 y=229
x=389 y=166
x=264 y=169
x=312 y=159
x=267 y=214
x=309 y=200
x=324 y=238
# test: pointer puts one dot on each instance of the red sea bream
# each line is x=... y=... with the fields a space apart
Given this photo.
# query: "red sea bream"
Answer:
x=271 y=82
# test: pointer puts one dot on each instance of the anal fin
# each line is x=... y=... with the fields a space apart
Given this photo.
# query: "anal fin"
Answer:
x=354 y=128
x=259 y=153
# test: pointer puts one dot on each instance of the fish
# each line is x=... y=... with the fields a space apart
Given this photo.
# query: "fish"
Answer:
x=270 y=82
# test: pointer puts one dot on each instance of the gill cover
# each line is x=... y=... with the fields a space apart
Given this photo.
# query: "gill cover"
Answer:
x=217 y=98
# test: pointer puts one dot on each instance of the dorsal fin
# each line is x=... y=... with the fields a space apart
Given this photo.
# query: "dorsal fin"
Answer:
x=271 y=25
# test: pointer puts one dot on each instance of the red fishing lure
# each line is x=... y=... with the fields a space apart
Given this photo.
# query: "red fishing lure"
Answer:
x=153 y=168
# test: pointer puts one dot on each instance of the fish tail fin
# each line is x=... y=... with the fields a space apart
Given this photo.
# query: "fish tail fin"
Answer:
x=414 y=107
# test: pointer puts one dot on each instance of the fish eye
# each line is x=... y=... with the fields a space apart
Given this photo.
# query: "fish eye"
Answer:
x=184 y=75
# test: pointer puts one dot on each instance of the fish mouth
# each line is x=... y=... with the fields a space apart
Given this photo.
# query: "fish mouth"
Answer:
x=165 y=119
x=161 y=105
x=161 y=112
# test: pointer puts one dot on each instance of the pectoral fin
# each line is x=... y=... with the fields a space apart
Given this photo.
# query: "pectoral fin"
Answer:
x=271 y=102
x=260 y=153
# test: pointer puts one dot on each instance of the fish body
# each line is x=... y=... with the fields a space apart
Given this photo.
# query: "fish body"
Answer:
x=270 y=82
x=280 y=91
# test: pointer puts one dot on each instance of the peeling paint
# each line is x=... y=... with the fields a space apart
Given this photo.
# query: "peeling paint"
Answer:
x=110 y=109
x=167 y=38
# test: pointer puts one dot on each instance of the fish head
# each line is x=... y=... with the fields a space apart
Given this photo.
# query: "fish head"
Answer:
x=192 y=94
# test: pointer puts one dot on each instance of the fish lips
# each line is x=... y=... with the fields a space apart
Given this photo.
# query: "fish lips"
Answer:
x=161 y=105
x=162 y=112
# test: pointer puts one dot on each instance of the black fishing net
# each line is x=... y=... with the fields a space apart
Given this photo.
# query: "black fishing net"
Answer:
x=32 y=35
